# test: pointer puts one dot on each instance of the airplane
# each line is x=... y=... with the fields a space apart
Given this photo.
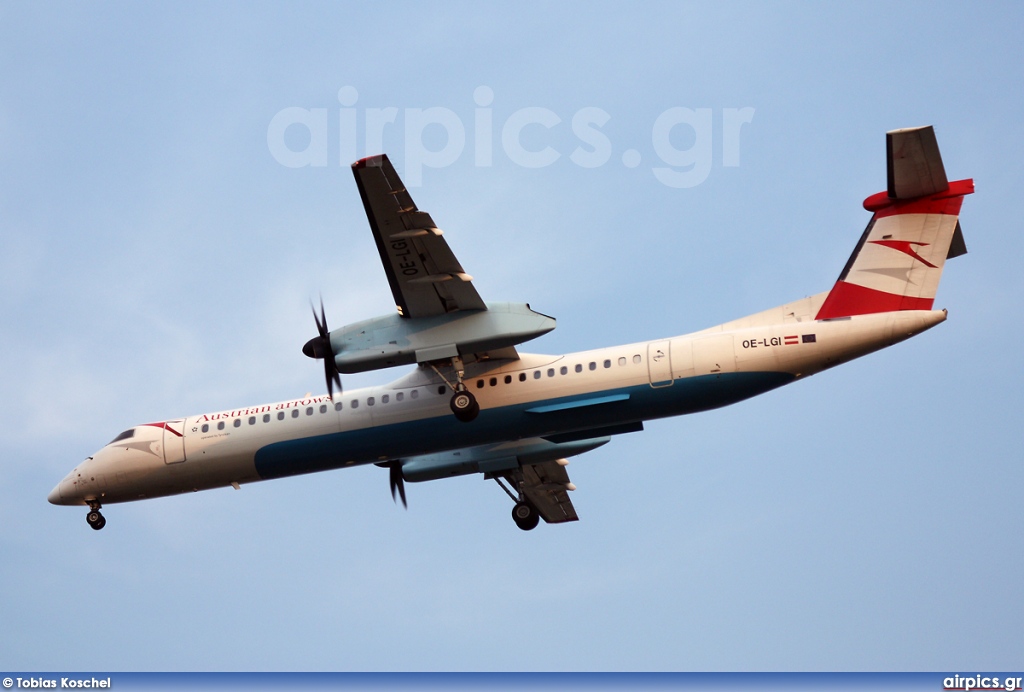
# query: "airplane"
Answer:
x=474 y=405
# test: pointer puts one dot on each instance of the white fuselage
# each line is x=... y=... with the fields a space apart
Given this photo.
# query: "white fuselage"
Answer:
x=535 y=396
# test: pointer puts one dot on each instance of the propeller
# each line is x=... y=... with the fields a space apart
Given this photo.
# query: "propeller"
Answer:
x=397 y=482
x=320 y=347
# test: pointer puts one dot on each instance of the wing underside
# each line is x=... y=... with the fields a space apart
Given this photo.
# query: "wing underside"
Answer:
x=546 y=487
x=426 y=278
x=538 y=464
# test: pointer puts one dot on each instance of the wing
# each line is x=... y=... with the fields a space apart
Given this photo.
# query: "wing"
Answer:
x=545 y=486
x=541 y=462
x=426 y=278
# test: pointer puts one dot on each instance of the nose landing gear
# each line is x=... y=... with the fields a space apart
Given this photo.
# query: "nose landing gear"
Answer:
x=96 y=520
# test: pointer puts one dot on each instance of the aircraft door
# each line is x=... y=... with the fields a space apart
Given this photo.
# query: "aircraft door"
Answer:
x=659 y=363
x=174 y=441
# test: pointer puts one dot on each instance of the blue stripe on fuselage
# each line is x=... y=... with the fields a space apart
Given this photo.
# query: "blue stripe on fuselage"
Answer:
x=440 y=433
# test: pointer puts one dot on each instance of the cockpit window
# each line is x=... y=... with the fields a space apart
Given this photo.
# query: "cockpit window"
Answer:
x=123 y=436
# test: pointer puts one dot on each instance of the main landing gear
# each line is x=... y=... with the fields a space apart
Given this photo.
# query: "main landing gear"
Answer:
x=524 y=514
x=463 y=404
x=96 y=520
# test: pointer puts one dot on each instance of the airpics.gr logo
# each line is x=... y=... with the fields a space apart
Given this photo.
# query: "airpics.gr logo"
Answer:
x=531 y=137
x=981 y=682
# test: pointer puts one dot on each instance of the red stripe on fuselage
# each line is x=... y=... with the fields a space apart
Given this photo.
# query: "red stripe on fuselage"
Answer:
x=164 y=426
x=847 y=299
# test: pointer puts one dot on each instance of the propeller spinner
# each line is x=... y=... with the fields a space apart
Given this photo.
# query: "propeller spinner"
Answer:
x=320 y=347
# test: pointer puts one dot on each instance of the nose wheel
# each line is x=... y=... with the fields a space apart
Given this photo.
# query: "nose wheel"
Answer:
x=96 y=520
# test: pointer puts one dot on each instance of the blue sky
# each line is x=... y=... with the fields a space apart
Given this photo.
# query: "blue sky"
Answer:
x=157 y=260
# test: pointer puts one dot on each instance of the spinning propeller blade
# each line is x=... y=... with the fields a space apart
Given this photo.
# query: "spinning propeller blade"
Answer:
x=320 y=347
x=396 y=480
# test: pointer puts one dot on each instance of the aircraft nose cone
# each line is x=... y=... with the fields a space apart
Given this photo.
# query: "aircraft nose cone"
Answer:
x=54 y=496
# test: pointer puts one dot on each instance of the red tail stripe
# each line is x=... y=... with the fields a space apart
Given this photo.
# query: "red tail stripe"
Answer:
x=848 y=299
x=947 y=202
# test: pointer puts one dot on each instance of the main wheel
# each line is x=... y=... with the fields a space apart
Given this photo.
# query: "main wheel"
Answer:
x=96 y=520
x=525 y=516
x=464 y=406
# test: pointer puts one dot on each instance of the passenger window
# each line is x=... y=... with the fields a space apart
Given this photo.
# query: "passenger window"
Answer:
x=384 y=399
x=206 y=427
x=280 y=415
x=494 y=381
x=220 y=425
x=636 y=358
x=593 y=365
x=295 y=413
x=323 y=408
x=399 y=396
x=607 y=363
x=479 y=384
x=522 y=377
x=355 y=403
x=563 y=370
x=266 y=417
x=551 y=372
x=440 y=390
x=414 y=393
x=252 y=420
x=370 y=401
x=338 y=406
x=579 y=367
x=622 y=360
x=309 y=411
x=536 y=374
x=238 y=422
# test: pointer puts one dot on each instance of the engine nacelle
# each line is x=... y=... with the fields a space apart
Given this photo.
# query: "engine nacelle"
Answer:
x=461 y=462
x=383 y=342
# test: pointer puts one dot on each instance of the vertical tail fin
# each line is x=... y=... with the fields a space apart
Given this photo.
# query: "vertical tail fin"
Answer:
x=914 y=229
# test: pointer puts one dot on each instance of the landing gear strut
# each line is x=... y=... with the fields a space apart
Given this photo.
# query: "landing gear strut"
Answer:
x=524 y=514
x=463 y=404
x=96 y=520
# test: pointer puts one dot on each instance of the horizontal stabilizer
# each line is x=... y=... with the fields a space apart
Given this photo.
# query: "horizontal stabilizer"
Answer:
x=914 y=163
x=957 y=246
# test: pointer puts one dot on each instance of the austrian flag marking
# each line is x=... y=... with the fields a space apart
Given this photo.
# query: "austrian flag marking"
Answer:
x=791 y=340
